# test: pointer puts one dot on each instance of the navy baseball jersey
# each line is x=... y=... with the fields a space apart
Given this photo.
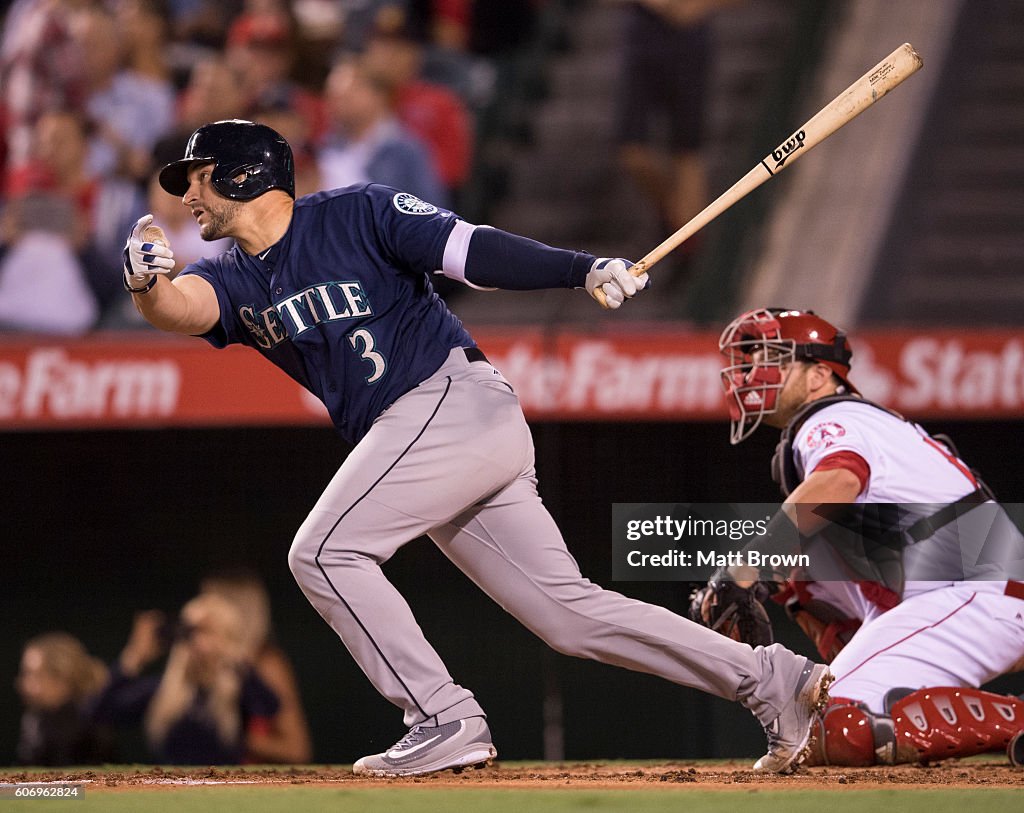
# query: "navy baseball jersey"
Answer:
x=343 y=302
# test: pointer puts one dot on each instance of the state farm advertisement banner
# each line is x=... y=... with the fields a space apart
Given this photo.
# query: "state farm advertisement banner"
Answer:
x=133 y=379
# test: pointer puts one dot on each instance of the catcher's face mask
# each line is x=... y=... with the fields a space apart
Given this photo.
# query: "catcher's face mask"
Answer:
x=759 y=346
x=753 y=377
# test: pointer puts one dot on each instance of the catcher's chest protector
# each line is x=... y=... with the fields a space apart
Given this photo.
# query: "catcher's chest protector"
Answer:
x=784 y=471
x=785 y=474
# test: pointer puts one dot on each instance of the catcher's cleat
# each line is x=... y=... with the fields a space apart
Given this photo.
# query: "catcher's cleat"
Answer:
x=789 y=734
x=425 y=749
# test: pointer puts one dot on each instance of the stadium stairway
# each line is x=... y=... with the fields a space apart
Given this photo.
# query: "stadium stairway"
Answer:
x=955 y=252
x=565 y=187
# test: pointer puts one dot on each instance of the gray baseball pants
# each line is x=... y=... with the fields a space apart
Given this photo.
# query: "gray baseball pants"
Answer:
x=454 y=459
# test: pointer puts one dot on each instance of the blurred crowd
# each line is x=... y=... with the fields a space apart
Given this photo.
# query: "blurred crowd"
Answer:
x=97 y=94
x=209 y=687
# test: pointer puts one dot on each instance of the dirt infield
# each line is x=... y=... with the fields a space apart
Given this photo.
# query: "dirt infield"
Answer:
x=988 y=772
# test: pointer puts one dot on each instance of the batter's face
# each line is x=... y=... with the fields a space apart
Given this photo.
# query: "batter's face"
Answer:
x=216 y=215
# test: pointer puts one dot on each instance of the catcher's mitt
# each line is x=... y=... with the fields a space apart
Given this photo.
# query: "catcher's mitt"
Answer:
x=734 y=611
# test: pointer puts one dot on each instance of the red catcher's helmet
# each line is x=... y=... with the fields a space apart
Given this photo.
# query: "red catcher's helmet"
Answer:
x=758 y=344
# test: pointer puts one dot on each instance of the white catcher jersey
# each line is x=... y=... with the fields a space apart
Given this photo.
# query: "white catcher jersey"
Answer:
x=909 y=468
x=906 y=465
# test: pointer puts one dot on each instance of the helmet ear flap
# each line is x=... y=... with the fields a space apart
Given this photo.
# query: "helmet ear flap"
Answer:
x=239 y=182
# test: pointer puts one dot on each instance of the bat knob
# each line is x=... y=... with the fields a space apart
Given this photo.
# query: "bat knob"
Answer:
x=154 y=234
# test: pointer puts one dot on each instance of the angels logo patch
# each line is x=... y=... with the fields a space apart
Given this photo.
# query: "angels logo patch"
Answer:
x=824 y=434
x=412 y=205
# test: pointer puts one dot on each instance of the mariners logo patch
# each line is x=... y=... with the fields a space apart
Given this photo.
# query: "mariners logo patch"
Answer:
x=824 y=434
x=412 y=205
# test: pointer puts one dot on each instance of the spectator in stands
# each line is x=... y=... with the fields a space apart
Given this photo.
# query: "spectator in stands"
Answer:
x=293 y=126
x=47 y=250
x=56 y=680
x=446 y=30
x=198 y=31
x=212 y=94
x=200 y=23
x=367 y=142
x=260 y=51
x=96 y=210
x=57 y=164
x=432 y=112
x=357 y=19
x=451 y=21
x=40 y=69
x=202 y=706
x=285 y=737
x=130 y=99
x=666 y=60
x=43 y=281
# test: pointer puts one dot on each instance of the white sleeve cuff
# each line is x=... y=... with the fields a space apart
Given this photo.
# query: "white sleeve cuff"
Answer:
x=456 y=250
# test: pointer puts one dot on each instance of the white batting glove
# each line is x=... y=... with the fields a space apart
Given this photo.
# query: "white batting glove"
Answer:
x=145 y=255
x=611 y=277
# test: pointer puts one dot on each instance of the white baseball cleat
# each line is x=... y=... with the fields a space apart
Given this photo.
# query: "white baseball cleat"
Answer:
x=789 y=734
x=425 y=749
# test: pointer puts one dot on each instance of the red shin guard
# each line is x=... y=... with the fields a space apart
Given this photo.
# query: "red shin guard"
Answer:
x=956 y=722
x=925 y=725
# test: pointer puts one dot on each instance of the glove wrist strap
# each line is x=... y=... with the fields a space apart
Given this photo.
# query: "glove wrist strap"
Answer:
x=144 y=289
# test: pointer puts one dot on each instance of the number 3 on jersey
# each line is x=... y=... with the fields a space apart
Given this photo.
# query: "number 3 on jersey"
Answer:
x=364 y=338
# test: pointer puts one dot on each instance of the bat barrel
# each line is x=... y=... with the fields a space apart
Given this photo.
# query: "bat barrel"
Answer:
x=872 y=86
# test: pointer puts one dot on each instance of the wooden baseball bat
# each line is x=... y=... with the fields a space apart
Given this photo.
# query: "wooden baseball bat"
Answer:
x=858 y=97
x=154 y=234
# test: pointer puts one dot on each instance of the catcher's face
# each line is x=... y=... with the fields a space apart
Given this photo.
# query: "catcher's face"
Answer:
x=757 y=360
x=215 y=214
x=764 y=382
x=792 y=395
x=802 y=382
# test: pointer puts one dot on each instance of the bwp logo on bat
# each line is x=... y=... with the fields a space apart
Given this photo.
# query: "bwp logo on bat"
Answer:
x=782 y=153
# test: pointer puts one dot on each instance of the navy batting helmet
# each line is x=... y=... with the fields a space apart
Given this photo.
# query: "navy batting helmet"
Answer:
x=249 y=159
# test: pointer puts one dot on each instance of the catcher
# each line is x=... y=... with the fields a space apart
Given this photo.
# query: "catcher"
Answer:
x=914 y=614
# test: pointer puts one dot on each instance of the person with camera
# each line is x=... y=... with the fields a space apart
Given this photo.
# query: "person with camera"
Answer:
x=201 y=707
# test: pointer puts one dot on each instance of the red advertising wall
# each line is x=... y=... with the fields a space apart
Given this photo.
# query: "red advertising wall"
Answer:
x=122 y=379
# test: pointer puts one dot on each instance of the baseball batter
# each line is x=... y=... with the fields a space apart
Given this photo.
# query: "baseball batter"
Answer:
x=936 y=614
x=334 y=288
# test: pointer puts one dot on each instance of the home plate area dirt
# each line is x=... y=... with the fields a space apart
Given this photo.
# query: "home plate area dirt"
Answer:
x=977 y=772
